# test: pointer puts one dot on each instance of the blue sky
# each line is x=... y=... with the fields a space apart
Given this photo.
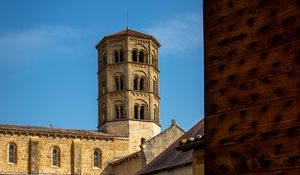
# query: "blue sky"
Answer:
x=48 y=60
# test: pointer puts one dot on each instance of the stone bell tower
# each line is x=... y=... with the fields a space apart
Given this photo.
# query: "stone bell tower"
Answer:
x=128 y=81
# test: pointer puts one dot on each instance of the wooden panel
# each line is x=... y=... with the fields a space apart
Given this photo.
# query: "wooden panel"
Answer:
x=252 y=93
x=232 y=39
x=257 y=66
x=263 y=156
x=252 y=86
x=251 y=124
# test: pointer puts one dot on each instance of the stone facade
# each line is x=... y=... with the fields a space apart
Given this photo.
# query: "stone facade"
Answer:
x=76 y=155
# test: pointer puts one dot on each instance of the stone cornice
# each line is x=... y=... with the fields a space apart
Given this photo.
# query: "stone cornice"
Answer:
x=127 y=62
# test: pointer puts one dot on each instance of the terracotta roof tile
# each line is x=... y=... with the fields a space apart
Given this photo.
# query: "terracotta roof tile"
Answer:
x=171 y=158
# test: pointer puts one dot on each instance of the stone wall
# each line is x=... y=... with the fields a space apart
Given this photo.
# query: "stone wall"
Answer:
x=139 y=130
x=76 y=155
x=156 y=145
x=129 y=166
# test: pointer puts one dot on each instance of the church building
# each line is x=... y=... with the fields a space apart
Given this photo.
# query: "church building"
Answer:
x=128 y=136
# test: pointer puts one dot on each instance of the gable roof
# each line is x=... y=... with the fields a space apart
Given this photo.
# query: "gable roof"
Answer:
x=128 y=32
x=171 y=158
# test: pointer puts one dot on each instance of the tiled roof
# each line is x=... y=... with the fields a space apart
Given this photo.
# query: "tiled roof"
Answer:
x=129 y=32
x=52 y=131
x=171 y=158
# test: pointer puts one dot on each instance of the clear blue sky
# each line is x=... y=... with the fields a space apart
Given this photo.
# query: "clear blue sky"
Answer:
x=48 y=60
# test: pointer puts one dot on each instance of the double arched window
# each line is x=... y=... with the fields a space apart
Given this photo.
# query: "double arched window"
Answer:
x=139 y=112
x=138 y=56
x=119 y=56
x=97 y=157
x=55 y=156
x=119 y=82
x=12 y=153
x=139 y=83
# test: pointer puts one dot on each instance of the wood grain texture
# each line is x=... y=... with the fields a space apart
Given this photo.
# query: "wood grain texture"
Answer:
x=252 y=86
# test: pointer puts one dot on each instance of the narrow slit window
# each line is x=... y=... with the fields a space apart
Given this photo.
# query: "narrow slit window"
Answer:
x=134 y=56
x=142 y=112
x=97 y=158
x=117 y=83
x=121 y=83
x=116 y=57
x=55 y=156
x=135 y=83
x=117 y=112
x=136 y=112
x=142 y=84
x=121 y=112
x=141 y=57
x=121 y=56
x=12 y=153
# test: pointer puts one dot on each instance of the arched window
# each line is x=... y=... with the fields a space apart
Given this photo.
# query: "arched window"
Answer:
x=135 y=83
x=97 y=158
x=55 y=156
x=134 y=56
x=136 y=112
x=141 y=57
x=116 y=57
x=12 y=153
x=121 y=56
x=142 y=112
x=142 y=84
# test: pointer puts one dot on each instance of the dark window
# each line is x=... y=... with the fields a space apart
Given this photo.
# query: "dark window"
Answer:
x=135 y=83
x=117 y=83
x=117 y=113
x=134 y=56
x=141 y=57
x=142 y=112
x=12 y=153
x=142 y=84
x=121 y=112
x=121 y=83
x=136 y=112
x=55 y=156
x=116 y=57
x=121 y=56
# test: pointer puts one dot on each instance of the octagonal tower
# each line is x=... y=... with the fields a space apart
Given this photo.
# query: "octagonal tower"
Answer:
x=128 y=86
